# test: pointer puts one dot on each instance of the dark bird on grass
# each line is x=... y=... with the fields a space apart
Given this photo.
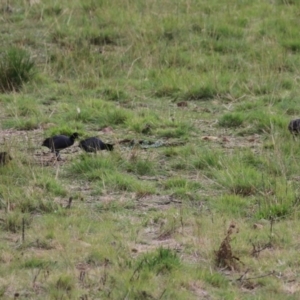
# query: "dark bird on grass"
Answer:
x=294 y=127
x=93 y=144
x=4 y=158
x=59 y=142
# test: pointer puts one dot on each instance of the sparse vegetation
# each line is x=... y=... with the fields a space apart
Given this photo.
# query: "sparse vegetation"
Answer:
x=199 y=198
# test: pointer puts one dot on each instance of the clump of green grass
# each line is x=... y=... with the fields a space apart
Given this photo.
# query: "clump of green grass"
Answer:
x=100 y=115
x=180 y=130
x=266 y=122
x=109 y=170
x=115 y=206
x=53 y=10
x=167 y=91
x=37 y=198
x=171 y=152
x=279 y=202
x=180 y=165
x=252 y=160
x=292 y=45
x=92 y=167
x=13 y=221
x=116 y=116
x=206 y=159
x=64 y=129
x=108 y=37
x=289 y=105
x=200 y=93
x=51 y=185
x=63 y=287
x=231 y=120
x=233 y=205
x=65 y=283
x=122 y=182
x=161 y=261
x=95 y=257
x=216 y=280
x=21 y=106
x=16 y=68
x=286 y=2
x=114 y=94
x=141 y=167
x=35 y=263
x=30 y=123
x=37 y=204
x=182 y=188
x=176 y=182
x=144 y=122
x=240 y=179
x=269 y=210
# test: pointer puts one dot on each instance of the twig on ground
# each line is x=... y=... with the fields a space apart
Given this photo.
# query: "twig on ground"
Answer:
x=265 y=275
x=23 y=230
x=137 y=269
x=242 y=277
x=69 y=203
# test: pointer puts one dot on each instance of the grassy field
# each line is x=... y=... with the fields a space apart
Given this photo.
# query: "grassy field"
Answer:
x=199 y=199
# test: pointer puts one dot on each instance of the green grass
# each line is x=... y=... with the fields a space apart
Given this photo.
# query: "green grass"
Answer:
x=196 y=97
x=231 y=120
x=16 y=68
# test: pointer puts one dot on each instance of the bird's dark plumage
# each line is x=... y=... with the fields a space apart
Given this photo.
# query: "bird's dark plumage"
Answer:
x=4 y=158
x=93 y=144
x=294 y=126
x=59 y=142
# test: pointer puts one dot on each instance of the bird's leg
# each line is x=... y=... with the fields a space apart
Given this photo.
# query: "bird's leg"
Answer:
x=57 y=155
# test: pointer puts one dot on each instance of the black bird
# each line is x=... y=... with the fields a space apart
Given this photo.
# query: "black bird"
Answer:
x=59 y=142
x=4 y=158
x=93 y=144
x=294 y=126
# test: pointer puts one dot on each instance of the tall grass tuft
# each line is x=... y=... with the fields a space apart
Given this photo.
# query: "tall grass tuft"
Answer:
x=16 y=68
